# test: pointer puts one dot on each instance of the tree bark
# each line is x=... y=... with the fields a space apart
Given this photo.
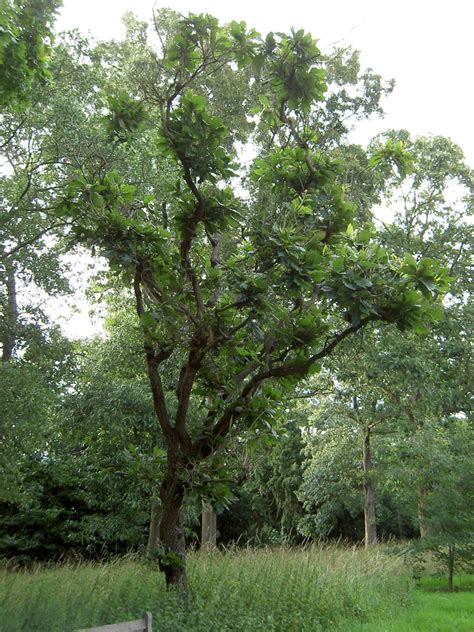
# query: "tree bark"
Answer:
x=172 y=538
x=424 y=529
x=154 y=532
x=369 y=496
x=11 y=314
x=208 y=527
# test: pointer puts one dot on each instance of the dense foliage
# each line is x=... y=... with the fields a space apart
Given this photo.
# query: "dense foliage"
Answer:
x=267 y=350
x=25 y=42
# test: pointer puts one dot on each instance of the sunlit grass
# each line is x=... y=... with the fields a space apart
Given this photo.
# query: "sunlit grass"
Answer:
x=433 y=610
x=256 y=590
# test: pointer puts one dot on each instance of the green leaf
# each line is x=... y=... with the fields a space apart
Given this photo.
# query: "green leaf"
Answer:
x=338 y=265
x=147 y=320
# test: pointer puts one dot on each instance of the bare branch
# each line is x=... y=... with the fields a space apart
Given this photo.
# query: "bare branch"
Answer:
x=32 y=240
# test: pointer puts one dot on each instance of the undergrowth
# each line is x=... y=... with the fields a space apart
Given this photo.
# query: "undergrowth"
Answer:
x=312 y=589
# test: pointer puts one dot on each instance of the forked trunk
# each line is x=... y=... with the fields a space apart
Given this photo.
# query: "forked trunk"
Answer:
x=369 y=495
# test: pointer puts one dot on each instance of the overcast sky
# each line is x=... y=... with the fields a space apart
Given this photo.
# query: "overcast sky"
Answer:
x=426 y=46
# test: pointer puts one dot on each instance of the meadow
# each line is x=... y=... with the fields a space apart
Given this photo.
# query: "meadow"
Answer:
x=432 y=609
x=259 y=590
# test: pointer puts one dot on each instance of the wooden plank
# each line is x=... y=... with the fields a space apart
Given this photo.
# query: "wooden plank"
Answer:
x=138 y=625
x=127 y=626
x=148 y=621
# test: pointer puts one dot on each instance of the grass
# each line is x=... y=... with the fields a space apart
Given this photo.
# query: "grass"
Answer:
x=287 y=590
x=432 y=610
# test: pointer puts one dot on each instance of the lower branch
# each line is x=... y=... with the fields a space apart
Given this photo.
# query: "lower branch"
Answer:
x=204 y=445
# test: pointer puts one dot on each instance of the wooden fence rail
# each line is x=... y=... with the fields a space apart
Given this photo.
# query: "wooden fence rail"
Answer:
x=139 y=625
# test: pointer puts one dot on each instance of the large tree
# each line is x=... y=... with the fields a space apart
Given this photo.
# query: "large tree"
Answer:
x=245 y=280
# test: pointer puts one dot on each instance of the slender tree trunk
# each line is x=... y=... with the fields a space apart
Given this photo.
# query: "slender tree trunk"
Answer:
x=154 y=532
x=11 y=314
x=172 y=538
x=208 y=527
x=369 y=496
x=424 y=530
x=450 y=567
x=401 y=532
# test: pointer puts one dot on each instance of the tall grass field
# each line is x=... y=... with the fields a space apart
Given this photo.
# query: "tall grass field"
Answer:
x=330 y=588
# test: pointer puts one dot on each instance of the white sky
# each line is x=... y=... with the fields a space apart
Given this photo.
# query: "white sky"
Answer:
x=426 y=46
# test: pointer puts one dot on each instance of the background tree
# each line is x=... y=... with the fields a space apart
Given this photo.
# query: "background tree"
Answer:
x=32 y=386
x=446 y=471
x=266 y=468
x=83 y=452
x=38 y=147
x=25 y=43
x=413 y=383
x=348 y=423
x=332 y=482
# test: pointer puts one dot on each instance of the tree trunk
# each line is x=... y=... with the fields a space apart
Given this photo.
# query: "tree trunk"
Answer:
x=450 y=567
x=424 y=529
x=208 y=527
x=154 y=532
x=11 y=314
x=369 y=496
x=401 y=532
x=172 y=538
